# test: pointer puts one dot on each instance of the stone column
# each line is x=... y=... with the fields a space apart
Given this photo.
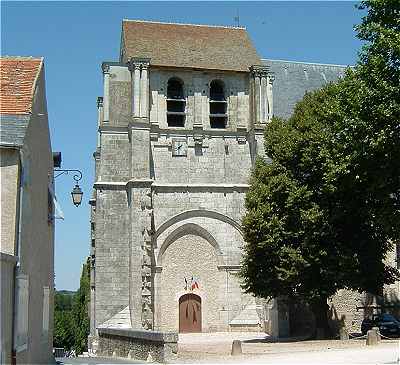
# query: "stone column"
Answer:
x=257 y=98
x=140 y=87
x=99 y=118
x=197 y=101
x=136 y=90
x=144 y=91
x=261 y=94
x=106 y=94
x=264 y=99
x=270 y=81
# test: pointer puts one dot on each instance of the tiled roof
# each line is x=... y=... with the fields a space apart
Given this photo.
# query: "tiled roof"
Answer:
x=294 y=79
x=18 y=77
x=187 y=45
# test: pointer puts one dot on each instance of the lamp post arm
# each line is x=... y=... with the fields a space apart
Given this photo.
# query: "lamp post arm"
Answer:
x=77 y=177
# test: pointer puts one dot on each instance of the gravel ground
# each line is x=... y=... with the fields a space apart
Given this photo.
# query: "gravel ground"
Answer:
x=216 y=348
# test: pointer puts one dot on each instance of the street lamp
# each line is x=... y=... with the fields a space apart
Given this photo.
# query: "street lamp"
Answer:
x=76 y=195
x=76 y=192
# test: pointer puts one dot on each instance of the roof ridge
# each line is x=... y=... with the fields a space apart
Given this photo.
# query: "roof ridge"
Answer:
x=306 y=63
x=191 y=24
x=21 y=58
x=34 y=83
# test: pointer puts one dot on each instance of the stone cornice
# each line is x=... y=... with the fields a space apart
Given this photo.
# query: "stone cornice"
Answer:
x=208 y=187
x=139 y=123
x=4 y=257
x=229 y=267
x=134 y=183
x=109 y=185
x=123 y=185
x=170 y=132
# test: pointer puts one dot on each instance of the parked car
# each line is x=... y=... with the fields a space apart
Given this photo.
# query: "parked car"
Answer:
x=388 y=325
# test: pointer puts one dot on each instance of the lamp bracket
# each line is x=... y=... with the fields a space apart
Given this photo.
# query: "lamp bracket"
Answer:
x=77 y=177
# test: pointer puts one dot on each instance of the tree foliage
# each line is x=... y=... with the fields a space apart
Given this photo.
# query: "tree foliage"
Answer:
x=80 y=311
x=323 y=210
x=71 y=316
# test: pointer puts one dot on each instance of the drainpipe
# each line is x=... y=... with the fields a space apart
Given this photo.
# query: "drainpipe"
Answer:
x=17 y=254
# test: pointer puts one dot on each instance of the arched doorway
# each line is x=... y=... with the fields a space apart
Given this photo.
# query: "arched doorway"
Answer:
x=190 y=313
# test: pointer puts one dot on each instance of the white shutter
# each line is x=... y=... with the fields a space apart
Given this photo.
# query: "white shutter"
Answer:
x=46 y=311
x=22 y=301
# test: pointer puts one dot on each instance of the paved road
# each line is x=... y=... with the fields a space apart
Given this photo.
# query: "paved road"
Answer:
x=382 y=354
x=215 y=348
x=93 y=360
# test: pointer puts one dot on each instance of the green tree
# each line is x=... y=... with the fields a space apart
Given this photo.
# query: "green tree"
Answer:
x=63 y=329
x=80 y=311
x=71 y=315
x=321 y=215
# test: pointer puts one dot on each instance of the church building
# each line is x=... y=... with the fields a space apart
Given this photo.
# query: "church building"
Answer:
x=180 y=125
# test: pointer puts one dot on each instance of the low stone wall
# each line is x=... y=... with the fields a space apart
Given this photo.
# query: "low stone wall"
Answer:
x=138 y=344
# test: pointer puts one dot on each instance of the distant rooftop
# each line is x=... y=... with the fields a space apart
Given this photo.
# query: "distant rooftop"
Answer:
x=188 y=45
x=294 y=79
x=18 y=77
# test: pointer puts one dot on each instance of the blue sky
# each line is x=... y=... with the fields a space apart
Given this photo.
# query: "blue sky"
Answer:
x=75 y=37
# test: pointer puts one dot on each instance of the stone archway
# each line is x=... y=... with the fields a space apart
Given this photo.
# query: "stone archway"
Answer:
x=189 y=313
x=189 y=255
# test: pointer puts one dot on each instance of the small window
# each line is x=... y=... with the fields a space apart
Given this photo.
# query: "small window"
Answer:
x=176 y=103
x=218 y=104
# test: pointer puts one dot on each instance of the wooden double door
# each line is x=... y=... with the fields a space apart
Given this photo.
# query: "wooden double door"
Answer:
x=190 y=313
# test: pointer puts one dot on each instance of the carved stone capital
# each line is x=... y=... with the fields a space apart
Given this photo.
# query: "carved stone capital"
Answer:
x=259 y=70
x=105 y=68
x=271 y=78
x=138 y=63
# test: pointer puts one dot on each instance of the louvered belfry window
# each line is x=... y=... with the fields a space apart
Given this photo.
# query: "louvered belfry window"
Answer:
x=218 y=105
x=176 y=103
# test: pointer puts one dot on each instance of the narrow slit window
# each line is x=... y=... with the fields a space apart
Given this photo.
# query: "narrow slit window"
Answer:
x=218 y=105
x=176 y=103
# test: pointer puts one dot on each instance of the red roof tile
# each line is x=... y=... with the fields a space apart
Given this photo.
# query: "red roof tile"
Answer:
x=187 y=45
x=18 y=77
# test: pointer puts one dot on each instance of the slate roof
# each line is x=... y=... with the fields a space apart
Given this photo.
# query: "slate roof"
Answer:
x=294 y=79
x=18 y=77
x=13 y=129
x=188 y=45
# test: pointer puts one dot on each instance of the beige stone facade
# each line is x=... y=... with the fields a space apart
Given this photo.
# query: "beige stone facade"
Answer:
x=27 y=225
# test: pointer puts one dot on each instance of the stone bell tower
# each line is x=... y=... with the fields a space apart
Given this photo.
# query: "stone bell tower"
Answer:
x=179 y=127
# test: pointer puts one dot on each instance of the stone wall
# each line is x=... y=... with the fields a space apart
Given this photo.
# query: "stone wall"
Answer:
x=9 y=175
x=112 y=237
x=136 y=344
